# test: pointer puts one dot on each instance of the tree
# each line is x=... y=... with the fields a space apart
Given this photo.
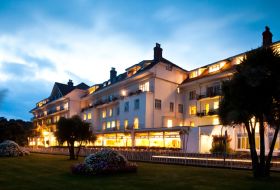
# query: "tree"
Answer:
x=15 y=130
x=71 y=130
x=252 y=99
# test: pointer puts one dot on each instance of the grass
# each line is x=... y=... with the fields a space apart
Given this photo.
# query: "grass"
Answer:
x=39 y=171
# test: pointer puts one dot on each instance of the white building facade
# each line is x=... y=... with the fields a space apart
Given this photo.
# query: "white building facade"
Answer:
x=154 y=103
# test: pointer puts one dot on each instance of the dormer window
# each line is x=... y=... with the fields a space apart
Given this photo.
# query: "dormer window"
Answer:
x=216 y=67
x=196 y=73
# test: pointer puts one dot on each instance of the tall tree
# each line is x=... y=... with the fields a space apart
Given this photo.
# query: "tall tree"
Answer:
x=71 y=130
x=252 y=99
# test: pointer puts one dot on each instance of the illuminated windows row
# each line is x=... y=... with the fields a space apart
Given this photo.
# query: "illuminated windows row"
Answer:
x=116 y=124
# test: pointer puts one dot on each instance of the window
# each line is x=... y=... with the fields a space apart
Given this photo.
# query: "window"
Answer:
x=168 y=67
x=125 y=123
x=216 y=105
x=108 y=124
x=216 y=121
x=192 y=110
x=57 y=108
x=118 y=124
x=104 y=125
x=66 y=106
x=157 y=104
x=136 y=123
x=192 y=95
x=110 y=112
x=169 y=123
x=144 y=87
x=85 y=116
x=180 y=108
x=216 y=67
x=136 y=104
x=118 y=110
x=213 y=91
x=242 y=142
x=191 y=123
x=104 y=113
x=126 y=106
x=171 y=107
x=207 y=108
x=89 y=115
x=113 y=124
x=45 y=113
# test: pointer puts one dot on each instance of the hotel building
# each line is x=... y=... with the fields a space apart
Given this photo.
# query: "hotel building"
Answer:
x=154 y=103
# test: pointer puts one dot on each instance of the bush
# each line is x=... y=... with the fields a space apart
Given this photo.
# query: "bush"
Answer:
x=106 y=161
x=11 y=149
x=218 y=144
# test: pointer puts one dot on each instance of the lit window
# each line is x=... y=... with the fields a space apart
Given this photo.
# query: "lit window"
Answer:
x=193 y=74
x=216 y=105
x=144 y=87
x=110 y=112
x=104 y=114
x=178 y=90
x=113 y=124
x=207 y=107
x=192 y=110
x=118 y=124
x=85 y=116
x=136 y=104
x=123 y=92
x=57 y=108
x=216 y=121
x=89 y=115
x=66 y=106
x=104 y=125
x=191 y=123
x=157 y=104
x=45 y=113
x=169 y=123
x=136 y=123
x=125 y=124
x=216 y=67
x=108 y=124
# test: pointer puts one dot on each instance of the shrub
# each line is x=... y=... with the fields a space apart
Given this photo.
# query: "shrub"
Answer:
x=11 y=149
x=106 y=161
x=218 y=144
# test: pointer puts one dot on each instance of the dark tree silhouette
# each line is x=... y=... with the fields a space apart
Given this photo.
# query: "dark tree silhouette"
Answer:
x=16 y=130
x=71 y=130
x=252 y=98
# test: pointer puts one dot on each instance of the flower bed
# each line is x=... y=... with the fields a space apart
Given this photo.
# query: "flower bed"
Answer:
x=11 y=149
x=106 y=161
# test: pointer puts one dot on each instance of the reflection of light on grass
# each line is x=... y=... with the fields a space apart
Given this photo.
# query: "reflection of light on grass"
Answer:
x=210 y=159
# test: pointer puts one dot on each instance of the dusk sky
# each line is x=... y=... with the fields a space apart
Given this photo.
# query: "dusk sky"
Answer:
x=47 y=41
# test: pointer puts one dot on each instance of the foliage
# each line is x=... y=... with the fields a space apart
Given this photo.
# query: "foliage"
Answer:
x=106 y=161
x=16 y=130
x=218 y=144
x=253 y=96
x=11 y=149
x=71 y=130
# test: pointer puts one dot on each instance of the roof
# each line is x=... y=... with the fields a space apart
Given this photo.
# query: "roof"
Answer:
x=144 y=66
x=227 y=67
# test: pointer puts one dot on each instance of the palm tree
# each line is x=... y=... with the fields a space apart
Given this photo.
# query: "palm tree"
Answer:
x=252 y=97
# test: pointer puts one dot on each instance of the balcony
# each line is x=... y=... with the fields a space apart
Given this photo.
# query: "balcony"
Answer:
x=209 y=113
x=210 y=94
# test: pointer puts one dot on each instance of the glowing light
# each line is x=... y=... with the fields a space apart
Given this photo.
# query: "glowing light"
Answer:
x=169 y=123
x=123 y=93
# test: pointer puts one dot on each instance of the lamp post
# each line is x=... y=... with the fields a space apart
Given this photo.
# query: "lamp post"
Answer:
x=225 y=146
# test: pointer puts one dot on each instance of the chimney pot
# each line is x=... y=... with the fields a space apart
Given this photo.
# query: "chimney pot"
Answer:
x=267 y=37
x=157 y=52
x=70 y=83
x=113 y=75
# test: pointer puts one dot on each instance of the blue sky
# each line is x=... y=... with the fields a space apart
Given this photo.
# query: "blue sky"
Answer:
x=47 y=41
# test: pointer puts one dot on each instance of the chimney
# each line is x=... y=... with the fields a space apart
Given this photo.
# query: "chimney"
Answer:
x=113 y=75
x=157 y=52
x=70 y=83
x=267 y=37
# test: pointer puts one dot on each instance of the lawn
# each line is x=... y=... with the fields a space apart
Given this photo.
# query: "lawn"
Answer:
x=39 y=171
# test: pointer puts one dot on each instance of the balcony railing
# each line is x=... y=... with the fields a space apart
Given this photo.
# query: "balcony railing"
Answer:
x=209 y=94
x=209 y=113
